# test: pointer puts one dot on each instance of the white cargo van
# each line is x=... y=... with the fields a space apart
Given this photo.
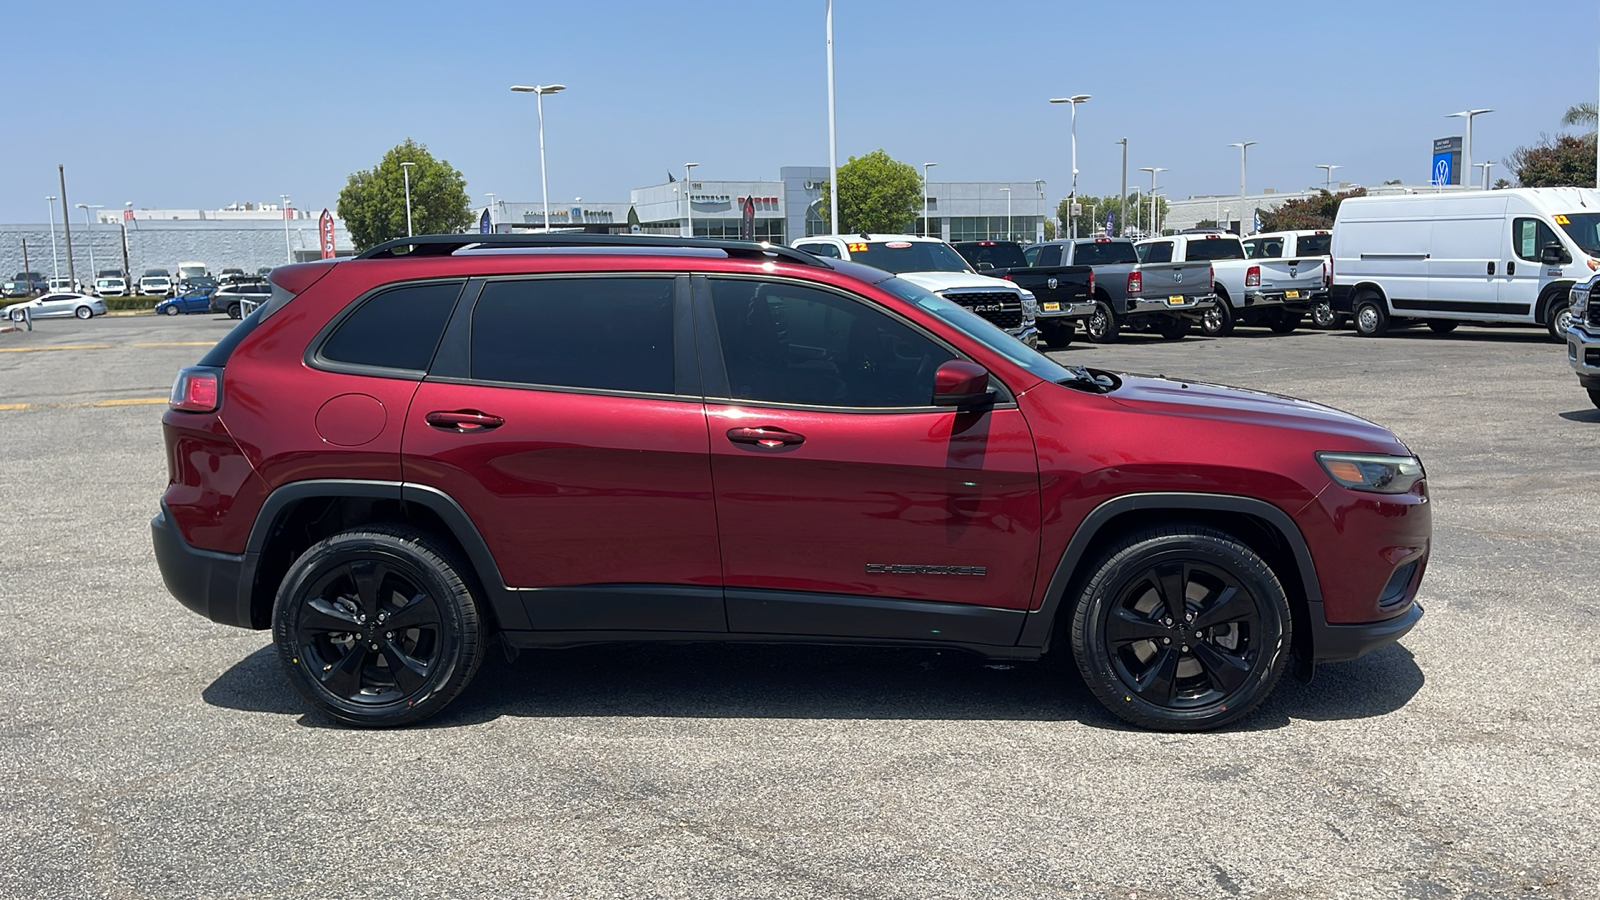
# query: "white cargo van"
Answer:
x=1492 y=257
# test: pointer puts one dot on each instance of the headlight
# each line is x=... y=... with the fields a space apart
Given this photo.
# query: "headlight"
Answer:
x=1030 y=305
x=1378 y=473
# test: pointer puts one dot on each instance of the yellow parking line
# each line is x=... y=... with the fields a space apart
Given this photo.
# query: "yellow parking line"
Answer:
x=13 y=406
x=62 y=347
x=179 y=344
x=130 y=401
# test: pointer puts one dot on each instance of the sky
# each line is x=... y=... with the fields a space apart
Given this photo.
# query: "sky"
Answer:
x=199 y=105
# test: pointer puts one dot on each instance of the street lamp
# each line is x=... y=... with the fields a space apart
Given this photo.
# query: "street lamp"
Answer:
x=833 y=145
x=288 y=254
x=538 y=91
x=1328 y=170
x=1152 y=170
x=88 y=225
x=1122 y=211
x=405 y=170
x=1486 y=166
x=688 y=196
x=926 y=226
x=1244 y=150
x=1008 y=212
x=1466 y=141
x=1072 y=204
x=55 y=263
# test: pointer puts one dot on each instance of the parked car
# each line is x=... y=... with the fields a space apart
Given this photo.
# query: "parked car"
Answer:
x=1583 y=337
x=197 y=300
x=228 y=299
x=732 y=441
x=1065 y=294
x=56 y=306
x=155 y=286
x=24 y=284
x=1308 y=244
x=1166 y=298
x=190 y=273
x=1506 y=257
x=936 y=265
x=63 y=286
x=1273 y=293
x=110 y=286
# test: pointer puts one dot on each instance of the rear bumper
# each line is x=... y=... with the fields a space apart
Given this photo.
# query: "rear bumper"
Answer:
x=1335 y=643
x=1066 y=310
x=1303 y=300
x=1191 y=305
x=215 y=585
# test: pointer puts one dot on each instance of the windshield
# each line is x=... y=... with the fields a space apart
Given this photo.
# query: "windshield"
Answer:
x=908 y=256
x=998 y=254
x=979 y=328
x=1207 y=248
x=1104 y=253
x=1584 y=229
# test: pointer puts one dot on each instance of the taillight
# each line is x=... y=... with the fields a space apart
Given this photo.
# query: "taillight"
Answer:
x=197 y=389
x=1252 y=277
x=1007 y=277
x=1135 y=282
x=1211 y=276
x=1091 y=281
x=1327 y=273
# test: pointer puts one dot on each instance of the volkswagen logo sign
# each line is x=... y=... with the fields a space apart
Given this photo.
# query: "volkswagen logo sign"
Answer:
x=1177 y=276
x=1051 y=282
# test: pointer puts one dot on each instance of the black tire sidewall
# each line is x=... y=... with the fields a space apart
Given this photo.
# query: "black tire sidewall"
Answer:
x=1382 y=326
x=1226 y=319
x=1134 y=555
x=1056 y=334
x=1109 y=334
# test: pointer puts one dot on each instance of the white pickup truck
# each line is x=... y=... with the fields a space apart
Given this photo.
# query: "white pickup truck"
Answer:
x=1275 y=293
x=1301 y=245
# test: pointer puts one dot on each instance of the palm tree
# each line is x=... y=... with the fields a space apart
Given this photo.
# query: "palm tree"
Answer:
x=1582 y=114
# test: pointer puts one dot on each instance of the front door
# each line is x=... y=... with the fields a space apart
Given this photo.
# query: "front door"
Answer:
x=1525 y=275
x=846 y=503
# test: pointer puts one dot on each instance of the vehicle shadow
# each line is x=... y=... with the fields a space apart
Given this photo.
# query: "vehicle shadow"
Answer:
x=805 y=682
x=1529 y=335
x=1582 y=415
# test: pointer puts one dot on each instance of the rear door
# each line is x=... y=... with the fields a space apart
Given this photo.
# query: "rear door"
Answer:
x=563 y=414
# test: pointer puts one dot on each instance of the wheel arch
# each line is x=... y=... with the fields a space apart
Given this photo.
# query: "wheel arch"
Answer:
x=1265 y=528
x=1369 y=287
x=299 y=514
x=1546 y=295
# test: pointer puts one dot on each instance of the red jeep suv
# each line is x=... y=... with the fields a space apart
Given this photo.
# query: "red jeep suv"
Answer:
x=561 y=440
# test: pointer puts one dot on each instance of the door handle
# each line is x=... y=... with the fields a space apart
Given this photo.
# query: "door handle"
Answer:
x=463 y=420
x=1511 y=267
x=1491 y=267
x=765 y=436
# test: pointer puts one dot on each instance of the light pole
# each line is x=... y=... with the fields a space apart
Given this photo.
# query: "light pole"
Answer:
x=1244 y=150
x=1152 y=170
x=926 y=225
x=1008 y=212
x=55 y=263
x=1155 y=224
x=1328 y=170
x=288 y=254
x=538 y=91
x=688 y=195
x=833 y=146
x=1466 y=141
x=1072 y=203
x=405 y=171
x=1122 y=213
x=88 y=225
x=1486 y=166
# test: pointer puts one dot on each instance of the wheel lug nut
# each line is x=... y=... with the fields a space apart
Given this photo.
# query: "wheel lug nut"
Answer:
x=1184 y=648
x=1166 y=640
x=388 y=635
x=1166 y=621
x=375 y=646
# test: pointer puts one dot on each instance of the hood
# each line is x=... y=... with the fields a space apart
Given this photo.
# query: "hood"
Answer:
x=941 y=281
x=1214 y=401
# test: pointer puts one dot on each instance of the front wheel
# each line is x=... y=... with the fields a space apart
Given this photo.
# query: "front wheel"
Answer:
x=1218 y=320
x=1558 y=315
x=377 y=627
x=1181 y=628
x=1102 y=326
x=1057 y=333
x=171 y=310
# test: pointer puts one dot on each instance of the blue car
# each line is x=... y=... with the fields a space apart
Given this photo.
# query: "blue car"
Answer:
x=197 y=300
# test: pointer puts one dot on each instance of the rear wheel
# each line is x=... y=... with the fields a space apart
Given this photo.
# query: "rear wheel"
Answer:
x=233 y=310
x=1181 y=628
x=1322 y=315
x=1284 y=322
x=1174 y=329
x=1218 y=320
x=1102 y=326
x=1372 y=320
x=1442 y=326
x=377 y=627
x=83 y=312
x=1558 y=315
x=1057 y=332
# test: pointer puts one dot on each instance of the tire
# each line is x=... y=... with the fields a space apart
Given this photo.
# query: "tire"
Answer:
x=1442 y=326
x=1558 y=315
x=1284 y=322
x=1218 y=659
x=1056 y=333
x=233 y=310
x=1173 y=329
x=1102 y=326
x=338 y=604
x=1372 y=320
x=1218 y=321
x=1322 y=315
x=1594 y=396
x=16 y=315
x=83 y=312
x=171 y=310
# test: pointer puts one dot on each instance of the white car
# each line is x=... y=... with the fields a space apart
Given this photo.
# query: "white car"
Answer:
x=155 y=286
x=56 y=306
x=110 y=287
x=934 y=265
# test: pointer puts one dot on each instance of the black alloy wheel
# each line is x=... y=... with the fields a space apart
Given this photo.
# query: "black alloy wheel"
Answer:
x=1218 y=321
x=377 y=627
x=1102 y=326
x=1181 y=628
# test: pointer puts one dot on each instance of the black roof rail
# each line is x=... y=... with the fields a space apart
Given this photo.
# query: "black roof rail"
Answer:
x=447 y=244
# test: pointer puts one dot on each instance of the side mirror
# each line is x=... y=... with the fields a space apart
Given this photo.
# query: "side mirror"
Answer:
x=961 y=383
x=1555 y=255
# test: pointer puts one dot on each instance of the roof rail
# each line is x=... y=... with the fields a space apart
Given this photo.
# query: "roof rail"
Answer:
x=447 y=244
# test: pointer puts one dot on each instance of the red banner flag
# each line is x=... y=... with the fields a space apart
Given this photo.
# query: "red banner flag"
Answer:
x=325 y=234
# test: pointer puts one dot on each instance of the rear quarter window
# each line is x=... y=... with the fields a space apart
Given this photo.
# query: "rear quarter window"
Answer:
x=398 y=328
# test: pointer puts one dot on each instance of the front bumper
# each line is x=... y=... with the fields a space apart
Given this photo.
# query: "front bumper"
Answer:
x=215 y=585
x=1336 y=643
x=1583 y=355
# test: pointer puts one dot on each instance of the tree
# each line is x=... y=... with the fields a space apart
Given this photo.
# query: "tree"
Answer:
x=1206 y=223
x=1566 y=161
x=1309 y=213
x=373 y=203
x=877 y=193
x=1393 y=181
x=1093 y=211
x=1582 y=114
x=1501 y=184
x=1049 y=230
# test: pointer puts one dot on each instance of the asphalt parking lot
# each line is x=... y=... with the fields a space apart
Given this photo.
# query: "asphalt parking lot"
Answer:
x=146 y=752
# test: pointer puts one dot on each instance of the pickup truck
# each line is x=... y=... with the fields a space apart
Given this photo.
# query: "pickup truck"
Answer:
x=1164 y=298
x=1275 y=293
x=1302 y=245
x=1065 y=293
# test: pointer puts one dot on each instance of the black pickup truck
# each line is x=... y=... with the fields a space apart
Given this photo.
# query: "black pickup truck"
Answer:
x=1065 y=293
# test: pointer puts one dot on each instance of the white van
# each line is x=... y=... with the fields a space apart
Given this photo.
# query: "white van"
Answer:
x=1493 y=257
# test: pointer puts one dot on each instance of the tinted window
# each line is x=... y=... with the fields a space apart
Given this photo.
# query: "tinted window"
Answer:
x=1159 y=252
x=1109 y=253
x=1313 y=245
x=1207 y=248
x=827 y=250
x=999 y=255
x=605 y=333
x=1050 y=256
x=397 y=329
x=1528 y=237
x=786 y=343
